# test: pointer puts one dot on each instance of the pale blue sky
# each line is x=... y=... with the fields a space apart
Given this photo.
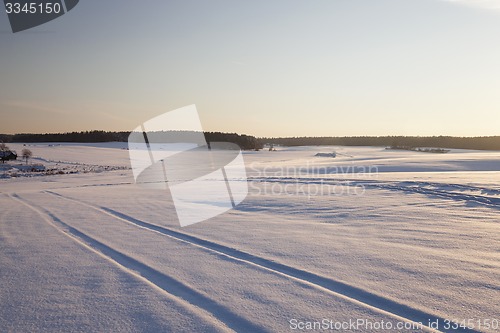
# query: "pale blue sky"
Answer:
x=266 y=68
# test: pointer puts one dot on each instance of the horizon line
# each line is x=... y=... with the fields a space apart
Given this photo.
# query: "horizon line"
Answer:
x=266 y=137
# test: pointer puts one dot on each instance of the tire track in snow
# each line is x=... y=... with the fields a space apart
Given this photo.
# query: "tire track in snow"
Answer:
x=413 y=187
x=479 y=199
x=360 y=297
x=203 y=306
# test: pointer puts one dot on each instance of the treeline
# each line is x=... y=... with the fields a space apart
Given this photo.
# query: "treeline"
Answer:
x=248 y=142
x=245 y=142
x=479 y=143
x=86 y=136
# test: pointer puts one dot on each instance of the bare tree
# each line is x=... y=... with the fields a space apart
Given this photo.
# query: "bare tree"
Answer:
x=27 y=154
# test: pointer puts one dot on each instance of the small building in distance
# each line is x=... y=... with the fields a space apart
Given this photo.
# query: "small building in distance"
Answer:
x=7 y=155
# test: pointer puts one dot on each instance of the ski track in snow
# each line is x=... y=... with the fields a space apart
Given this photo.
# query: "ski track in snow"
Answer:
x=373 y=302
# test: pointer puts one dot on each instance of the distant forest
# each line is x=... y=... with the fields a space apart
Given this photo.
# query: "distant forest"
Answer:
x=248 y=142
x=479 y=143
x=245 y=142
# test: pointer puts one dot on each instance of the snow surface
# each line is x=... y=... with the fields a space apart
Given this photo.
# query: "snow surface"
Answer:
x=373 y=234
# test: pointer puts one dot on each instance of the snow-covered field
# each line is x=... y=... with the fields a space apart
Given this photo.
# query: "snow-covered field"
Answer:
x=377 y=238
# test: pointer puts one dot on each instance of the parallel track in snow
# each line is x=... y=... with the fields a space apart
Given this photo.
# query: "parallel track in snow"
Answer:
x=375 y=303
x=199 y=304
